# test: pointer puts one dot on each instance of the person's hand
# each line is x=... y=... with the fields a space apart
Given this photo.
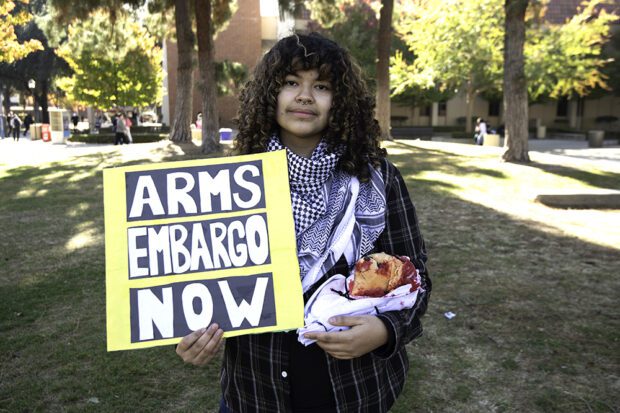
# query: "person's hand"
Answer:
x=367 y=333
x=199 y=347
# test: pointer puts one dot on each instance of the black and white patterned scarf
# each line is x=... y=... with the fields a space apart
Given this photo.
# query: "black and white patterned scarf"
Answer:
x=334 y=213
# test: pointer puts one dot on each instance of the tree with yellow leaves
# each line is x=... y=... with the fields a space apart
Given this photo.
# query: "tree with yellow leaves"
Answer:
x=10 y=48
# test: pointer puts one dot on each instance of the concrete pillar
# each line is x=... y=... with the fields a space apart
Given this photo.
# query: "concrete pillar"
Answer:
x=572 y=113
x=91 y=119
x=435 y=114
x=165 y=103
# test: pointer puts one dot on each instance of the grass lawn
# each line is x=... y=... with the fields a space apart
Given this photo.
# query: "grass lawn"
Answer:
x=535 y=290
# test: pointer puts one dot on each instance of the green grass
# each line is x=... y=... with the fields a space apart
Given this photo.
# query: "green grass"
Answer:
x=536 y=327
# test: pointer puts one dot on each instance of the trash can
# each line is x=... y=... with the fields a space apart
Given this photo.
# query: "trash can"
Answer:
x=225 y=134
x=541 y=132
x=196 y=134
x=491 y=139
x=35 y=131
x=46 y=133
x=595 y=138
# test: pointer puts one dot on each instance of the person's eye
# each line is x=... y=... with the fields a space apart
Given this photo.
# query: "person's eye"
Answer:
x=289 y=82
x=323 y=87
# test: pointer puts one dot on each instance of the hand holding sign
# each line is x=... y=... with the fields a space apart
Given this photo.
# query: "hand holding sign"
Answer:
x=199 y=347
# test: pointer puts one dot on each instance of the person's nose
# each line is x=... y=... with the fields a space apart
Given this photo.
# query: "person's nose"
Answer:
x=304 y=97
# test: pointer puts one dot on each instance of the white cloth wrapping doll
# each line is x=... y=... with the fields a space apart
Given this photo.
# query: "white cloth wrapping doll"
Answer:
x=332 y=299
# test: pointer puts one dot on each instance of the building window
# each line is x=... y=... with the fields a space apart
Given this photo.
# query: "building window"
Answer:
x=494 y=107
x=442 y=109
x=425 y=110
x=562 y=109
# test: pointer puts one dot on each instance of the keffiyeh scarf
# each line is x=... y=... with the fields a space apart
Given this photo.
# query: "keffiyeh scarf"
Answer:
x=334 y=213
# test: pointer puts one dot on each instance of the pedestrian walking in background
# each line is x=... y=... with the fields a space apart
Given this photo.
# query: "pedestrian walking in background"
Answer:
x=121 y=130
x=16 y=125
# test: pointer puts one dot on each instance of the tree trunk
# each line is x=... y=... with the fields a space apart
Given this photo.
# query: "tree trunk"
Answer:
x=206 y=64
x=515 y=85
x=181 y=131
x=6 y=101
x=35 y=107
x=45 y=115
x=384 y=40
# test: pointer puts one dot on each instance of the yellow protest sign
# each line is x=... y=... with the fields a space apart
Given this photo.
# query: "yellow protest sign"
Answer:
x=195 y=242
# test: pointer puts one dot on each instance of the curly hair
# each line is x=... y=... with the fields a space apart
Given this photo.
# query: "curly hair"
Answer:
x=351 y=125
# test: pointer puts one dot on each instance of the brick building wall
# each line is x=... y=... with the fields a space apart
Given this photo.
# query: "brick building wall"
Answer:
x=239 y=42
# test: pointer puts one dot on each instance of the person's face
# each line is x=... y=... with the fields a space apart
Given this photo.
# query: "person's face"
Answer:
x=303 y=108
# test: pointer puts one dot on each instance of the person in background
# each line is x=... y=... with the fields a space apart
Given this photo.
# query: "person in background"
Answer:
x=120 y=130
x=9 y=124
x=16 y=125
x=27 y=122
x=128 y=124
x=480 y=132
x=75 y=119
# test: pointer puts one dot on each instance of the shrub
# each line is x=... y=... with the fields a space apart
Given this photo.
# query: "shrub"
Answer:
x=448 y=128
x=606 y=119
x=463 y=135
x=109 y=138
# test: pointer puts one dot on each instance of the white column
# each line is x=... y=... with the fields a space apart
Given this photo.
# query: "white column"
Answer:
x=165 y=104
x=435 y=114
x=572 y=113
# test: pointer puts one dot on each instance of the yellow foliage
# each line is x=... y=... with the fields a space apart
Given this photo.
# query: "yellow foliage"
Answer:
x=10 y=49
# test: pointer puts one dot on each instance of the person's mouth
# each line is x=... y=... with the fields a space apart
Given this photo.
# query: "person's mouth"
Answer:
x=302 y=112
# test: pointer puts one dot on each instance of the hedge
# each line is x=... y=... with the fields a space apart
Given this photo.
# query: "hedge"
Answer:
x=109 y=138
x=463 y=135
x=141 y=129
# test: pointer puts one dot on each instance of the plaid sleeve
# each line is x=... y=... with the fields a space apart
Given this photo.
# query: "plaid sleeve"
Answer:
x=401 y=236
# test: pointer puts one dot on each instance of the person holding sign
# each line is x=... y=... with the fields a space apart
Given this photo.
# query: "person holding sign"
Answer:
x=308 y=98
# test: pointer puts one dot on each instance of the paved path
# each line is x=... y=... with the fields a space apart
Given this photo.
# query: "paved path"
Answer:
x=554 y=151
x=566 y=152
x=26 y=152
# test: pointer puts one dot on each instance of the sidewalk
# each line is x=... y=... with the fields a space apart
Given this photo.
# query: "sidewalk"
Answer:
x=552 y=151
x=31 y=153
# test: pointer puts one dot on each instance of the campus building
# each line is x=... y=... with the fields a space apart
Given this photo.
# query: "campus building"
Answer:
x=256 y=26
x=252 y=30
x=563 y=114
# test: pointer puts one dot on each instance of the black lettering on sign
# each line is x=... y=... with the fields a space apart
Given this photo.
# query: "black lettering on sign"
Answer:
x=188 y=247
x=175 y=310
x=198 y=190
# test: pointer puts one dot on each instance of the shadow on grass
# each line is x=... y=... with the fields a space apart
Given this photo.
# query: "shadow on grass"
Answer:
x=52 y=302
x=445 y=162
x=535 y=328
x=517 y=288
x=604 y=179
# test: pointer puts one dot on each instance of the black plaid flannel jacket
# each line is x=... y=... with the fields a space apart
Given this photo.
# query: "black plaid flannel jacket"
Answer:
x=254 y=377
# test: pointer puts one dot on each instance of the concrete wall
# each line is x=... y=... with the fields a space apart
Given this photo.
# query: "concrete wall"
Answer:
x=542 y=113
